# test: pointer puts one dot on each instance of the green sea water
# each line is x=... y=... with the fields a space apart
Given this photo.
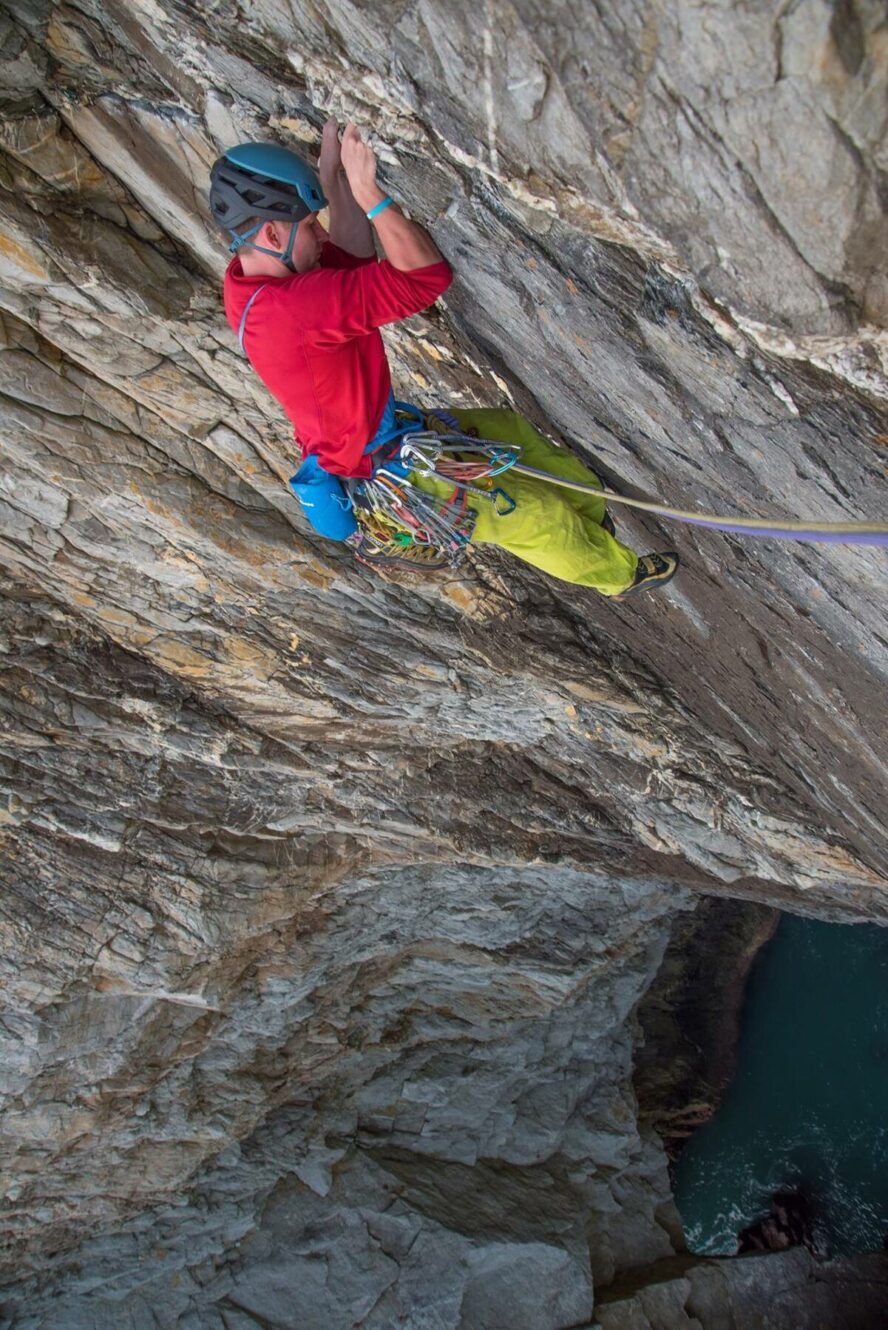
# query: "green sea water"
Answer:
x=808 y=1106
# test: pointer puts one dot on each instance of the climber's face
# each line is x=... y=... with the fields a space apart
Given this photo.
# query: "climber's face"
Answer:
x=310 y=238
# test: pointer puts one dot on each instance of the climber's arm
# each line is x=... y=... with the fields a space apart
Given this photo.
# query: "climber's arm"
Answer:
x=349 y=228
x=407 y=245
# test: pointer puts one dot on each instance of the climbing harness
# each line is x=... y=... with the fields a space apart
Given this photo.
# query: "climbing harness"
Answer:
x=401 y=524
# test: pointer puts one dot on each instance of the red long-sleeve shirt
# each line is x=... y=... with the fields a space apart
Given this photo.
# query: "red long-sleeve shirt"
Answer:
x=313 y=340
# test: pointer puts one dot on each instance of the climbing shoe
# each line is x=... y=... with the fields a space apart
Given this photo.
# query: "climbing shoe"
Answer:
x=654 y=570
x=608 y=523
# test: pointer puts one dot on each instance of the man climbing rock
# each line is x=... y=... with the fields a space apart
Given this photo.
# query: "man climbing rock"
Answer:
x=307 y=306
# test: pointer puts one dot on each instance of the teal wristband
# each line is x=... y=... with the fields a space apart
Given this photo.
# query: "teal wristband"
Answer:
x=379 y=207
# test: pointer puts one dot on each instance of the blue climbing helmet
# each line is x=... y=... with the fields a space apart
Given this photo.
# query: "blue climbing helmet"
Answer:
x=265 y=181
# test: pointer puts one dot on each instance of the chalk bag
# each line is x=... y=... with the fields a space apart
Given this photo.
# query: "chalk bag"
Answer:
x=324 y=501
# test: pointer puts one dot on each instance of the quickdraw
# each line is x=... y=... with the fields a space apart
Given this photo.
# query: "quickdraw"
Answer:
x=401 y=524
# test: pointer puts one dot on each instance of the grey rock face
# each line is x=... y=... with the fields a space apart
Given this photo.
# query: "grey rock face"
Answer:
x=329 y=898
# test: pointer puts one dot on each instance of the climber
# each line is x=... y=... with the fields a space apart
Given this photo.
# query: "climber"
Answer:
x=307 y=306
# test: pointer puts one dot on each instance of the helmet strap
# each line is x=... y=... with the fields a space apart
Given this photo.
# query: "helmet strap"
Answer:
x=285 y=256
x=242 y=239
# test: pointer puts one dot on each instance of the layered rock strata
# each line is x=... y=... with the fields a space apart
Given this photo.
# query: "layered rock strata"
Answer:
x=329 y=897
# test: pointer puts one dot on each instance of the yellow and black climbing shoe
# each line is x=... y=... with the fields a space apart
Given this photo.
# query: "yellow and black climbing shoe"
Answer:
x=654 y=570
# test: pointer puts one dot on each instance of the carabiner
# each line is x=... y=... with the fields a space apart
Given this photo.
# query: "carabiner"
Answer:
x=496 y=495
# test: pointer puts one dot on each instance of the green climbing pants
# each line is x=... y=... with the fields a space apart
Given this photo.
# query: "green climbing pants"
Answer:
x=557 y=530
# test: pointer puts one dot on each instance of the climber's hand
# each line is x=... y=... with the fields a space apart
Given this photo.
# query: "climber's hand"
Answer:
x=330 y=160
x=359 y=162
